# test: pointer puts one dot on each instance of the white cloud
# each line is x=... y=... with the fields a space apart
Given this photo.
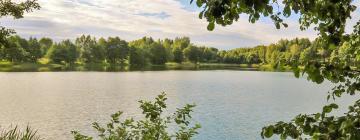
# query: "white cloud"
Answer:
x=132 y=19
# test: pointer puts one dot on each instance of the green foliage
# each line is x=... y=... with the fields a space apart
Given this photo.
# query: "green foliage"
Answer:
x=64 y=51
x=45 y=44
x=154 y=126
x=208 y=54
x=158 y=53
x=178 y=54
x=34 y=50
x=319 y=126
x=167 y=43
x=90 y=50
x=18 y=49
x=333 y=56
x=16 y=134
x=275 y=54
x=178 y=46
x=13 y=51
x=341 y=67
x=16 y=10
x=327 y=16
x=137 y=57
x=192 y=53
x=116 y=50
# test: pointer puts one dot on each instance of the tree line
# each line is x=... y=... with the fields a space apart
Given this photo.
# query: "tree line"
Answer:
x=114 y=50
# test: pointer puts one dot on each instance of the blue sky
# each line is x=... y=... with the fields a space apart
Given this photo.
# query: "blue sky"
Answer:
x=133 y=19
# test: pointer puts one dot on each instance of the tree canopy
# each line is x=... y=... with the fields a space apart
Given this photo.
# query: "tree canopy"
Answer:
x=87 y=49
x=327 y=16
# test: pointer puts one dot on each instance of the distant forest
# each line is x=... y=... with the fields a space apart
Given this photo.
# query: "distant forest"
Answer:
x=147 y=51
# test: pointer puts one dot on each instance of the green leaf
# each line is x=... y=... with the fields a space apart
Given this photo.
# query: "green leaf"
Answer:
x=327 y=109
x=285 y=25
x=201 y=14
x=335 y=106
x=296 y=71
x=269 y=131
x=287 y=11
x=277 y=25
x=317 y=116
x=199 y=3
x=211 y=26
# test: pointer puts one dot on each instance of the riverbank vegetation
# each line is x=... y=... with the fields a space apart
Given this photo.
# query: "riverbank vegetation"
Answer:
x=15 y=133
x=113 y=53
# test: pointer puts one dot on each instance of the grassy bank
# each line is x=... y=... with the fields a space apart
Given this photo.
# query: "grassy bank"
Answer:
x=43 y=67
x=9 y=66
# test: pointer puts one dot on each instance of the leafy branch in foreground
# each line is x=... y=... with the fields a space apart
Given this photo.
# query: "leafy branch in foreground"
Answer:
x=16 y=10
x=16 y=134
x=320 y=126
x=329 y=18
x=154 y=126
x=341 y=68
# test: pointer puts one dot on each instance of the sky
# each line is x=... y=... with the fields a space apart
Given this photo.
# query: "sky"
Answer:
x=133 y=19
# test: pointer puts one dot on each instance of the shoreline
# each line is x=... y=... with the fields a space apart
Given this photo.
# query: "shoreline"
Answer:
x=103 y=67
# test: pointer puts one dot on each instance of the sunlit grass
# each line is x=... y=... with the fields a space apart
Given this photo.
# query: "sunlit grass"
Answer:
x=44 y=61
x=5 y=63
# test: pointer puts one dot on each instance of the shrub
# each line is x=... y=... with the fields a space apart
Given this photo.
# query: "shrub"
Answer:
x=154 y=126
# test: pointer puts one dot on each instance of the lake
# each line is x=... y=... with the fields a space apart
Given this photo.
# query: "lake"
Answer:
x=230 y=104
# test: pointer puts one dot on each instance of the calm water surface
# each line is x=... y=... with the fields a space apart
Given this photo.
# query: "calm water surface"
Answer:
x=230 y=104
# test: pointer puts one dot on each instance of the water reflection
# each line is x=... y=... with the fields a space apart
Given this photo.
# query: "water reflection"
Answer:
x=119 y=68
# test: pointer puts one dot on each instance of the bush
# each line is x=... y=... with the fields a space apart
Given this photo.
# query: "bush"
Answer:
x=153 y=127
